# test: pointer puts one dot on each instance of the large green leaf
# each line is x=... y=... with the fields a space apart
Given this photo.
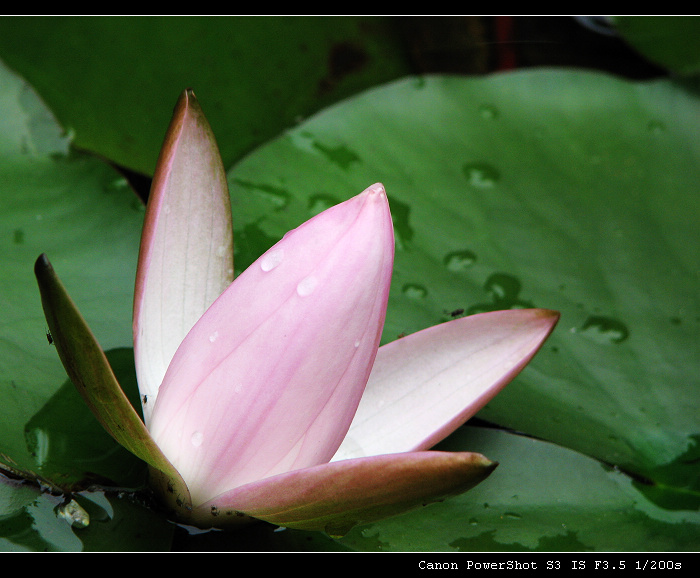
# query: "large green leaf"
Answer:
x=32 y=521
x=670 y=41
x=83 y=214
x=567 y=190
x=111 y=80
x=540 y=498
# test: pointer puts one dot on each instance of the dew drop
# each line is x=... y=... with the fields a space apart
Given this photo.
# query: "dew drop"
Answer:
x=656 y=127
x=197 y=438
x=307 y=285
x=414 y=291
x=488 y=111
x=458 y=261
x=271 y=259
x=340 y=155
x=604 y=329
x=319 y=203
x=357 y=343
x=117 y=185
x=278 y=197
x=503 y=287
x=481 y=175
x=213 y=336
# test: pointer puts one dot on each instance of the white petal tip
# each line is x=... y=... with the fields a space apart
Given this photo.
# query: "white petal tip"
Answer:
x=376 y=189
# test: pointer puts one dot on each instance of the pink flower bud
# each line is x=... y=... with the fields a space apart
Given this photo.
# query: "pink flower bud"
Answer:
x=269 y=379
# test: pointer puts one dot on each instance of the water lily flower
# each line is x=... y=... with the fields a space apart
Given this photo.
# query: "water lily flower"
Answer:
x=269 y=397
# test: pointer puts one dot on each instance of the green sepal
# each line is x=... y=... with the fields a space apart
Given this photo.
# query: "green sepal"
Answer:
x=337 y=496
x=90 y=372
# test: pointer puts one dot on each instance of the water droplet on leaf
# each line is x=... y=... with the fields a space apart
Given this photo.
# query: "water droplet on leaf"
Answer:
x=488 y=111
x=414 y=291
x=319 y=203
x=604 y=329
x=458 y=261
x=481 y=175
x=656 y=127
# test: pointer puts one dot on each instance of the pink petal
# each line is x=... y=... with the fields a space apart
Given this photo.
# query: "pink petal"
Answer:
x=186 y=257
x=425 y=385
x=270 y=377
x=335 y=497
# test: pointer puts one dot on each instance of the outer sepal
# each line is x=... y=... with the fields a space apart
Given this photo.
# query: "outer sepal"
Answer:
x=336 y=497
x=90 y=372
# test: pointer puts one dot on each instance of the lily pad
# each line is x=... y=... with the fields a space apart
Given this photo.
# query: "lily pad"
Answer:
x=670 y=41
x=83 y=214
x=585 y=506
x=569 y=190
x=111 y=81
x=82 y=522
x=559 y=189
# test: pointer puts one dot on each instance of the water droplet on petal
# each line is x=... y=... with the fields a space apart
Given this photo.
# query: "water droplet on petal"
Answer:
x=213 y=336
x=271 y=259
x=197 y=438
x=306 y=286
x=357 y=343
